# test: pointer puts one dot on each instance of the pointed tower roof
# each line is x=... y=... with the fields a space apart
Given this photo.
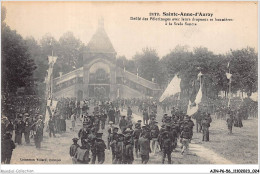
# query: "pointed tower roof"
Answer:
x=100 y=42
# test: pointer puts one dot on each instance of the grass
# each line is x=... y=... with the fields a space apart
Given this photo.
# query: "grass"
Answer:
x=241 y=147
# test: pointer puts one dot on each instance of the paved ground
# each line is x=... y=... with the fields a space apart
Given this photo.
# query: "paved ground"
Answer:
x=56 y=150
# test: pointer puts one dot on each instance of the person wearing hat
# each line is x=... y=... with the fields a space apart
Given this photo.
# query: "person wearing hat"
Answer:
x=3 y=126
x=139 y=122
x=9 y=126
x=100 y=148
x=167 y=148
x=230 y=121
x=57 y=121
x=146 y=130
x=120 y=148
x=73 y=118
x=123 y=124
x=145 y=116
x=96 y=109
x=73 y=150
x=96 y=122
x=163 y=129
x=111 y=114
x=27 y=129
x=19 y=128
x=173 y=111
x=205 y=129
x=191 y=125
x=39 y=133
x=152 y=117
x=209 y=118
x=112 y=141
x=83 y=132
x=129 y=150
x=129 y=112
x=185 y=139
x=152 y=121
x=117 y=115
x=7 y=148
x=198 y=117
x=110 y=132
x=129 y=123
x=174 y=134
x=85 y=108
x=91 y=140
x=136 y=134
x=82 y=153
x=103 y=118
x=51 y=123
x=144 y=146
x=154 y=136
x=184 y=123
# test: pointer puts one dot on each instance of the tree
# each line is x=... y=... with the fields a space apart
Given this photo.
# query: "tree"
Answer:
x=17 y=64
x=70 y=52
x=188 y=64
x=149 y=66
x=41 y=63
x=243 y=67
x=179 y=61
x=213 y=68
x=129 y=65
x=40 y=60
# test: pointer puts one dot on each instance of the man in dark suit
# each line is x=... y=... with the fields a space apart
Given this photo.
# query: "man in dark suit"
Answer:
x=144 y=145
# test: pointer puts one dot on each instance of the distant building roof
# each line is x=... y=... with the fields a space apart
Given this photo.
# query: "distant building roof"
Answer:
x=100 y=42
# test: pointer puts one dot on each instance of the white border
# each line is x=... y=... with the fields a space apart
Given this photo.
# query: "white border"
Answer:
x=173 y=168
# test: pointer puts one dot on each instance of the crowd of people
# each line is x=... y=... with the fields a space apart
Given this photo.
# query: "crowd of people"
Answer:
x=25 y=126
x=126 y=139
x=13 y=106
x=21 y=117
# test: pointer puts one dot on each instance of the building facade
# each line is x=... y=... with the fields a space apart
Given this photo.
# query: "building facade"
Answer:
x=100 y=77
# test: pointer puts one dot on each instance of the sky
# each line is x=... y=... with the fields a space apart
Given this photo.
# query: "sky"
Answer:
x=131 y=36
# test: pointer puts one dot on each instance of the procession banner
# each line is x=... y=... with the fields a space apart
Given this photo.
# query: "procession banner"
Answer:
x=172 y=89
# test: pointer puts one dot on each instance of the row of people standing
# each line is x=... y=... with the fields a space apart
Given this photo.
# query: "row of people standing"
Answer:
x=24 y=125
x=27 y=127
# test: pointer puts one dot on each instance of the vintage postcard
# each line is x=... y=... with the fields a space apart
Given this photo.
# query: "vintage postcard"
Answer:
x=130 y=83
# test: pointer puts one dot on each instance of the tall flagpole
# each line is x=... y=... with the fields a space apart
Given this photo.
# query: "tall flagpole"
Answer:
x=229 y=89
x=200 y=87
x=49 y=86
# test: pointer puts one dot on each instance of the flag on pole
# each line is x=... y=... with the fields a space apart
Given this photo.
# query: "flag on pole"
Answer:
x=193 y=109
x=228 y=75
x=254 y=96
x=172 y=89
x=50 y=104
x=199 y=75
x=199 y=96
x=50 y=109
x=52 y=59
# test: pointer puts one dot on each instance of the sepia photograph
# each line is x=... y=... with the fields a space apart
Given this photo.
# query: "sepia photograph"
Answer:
x=129 y=83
